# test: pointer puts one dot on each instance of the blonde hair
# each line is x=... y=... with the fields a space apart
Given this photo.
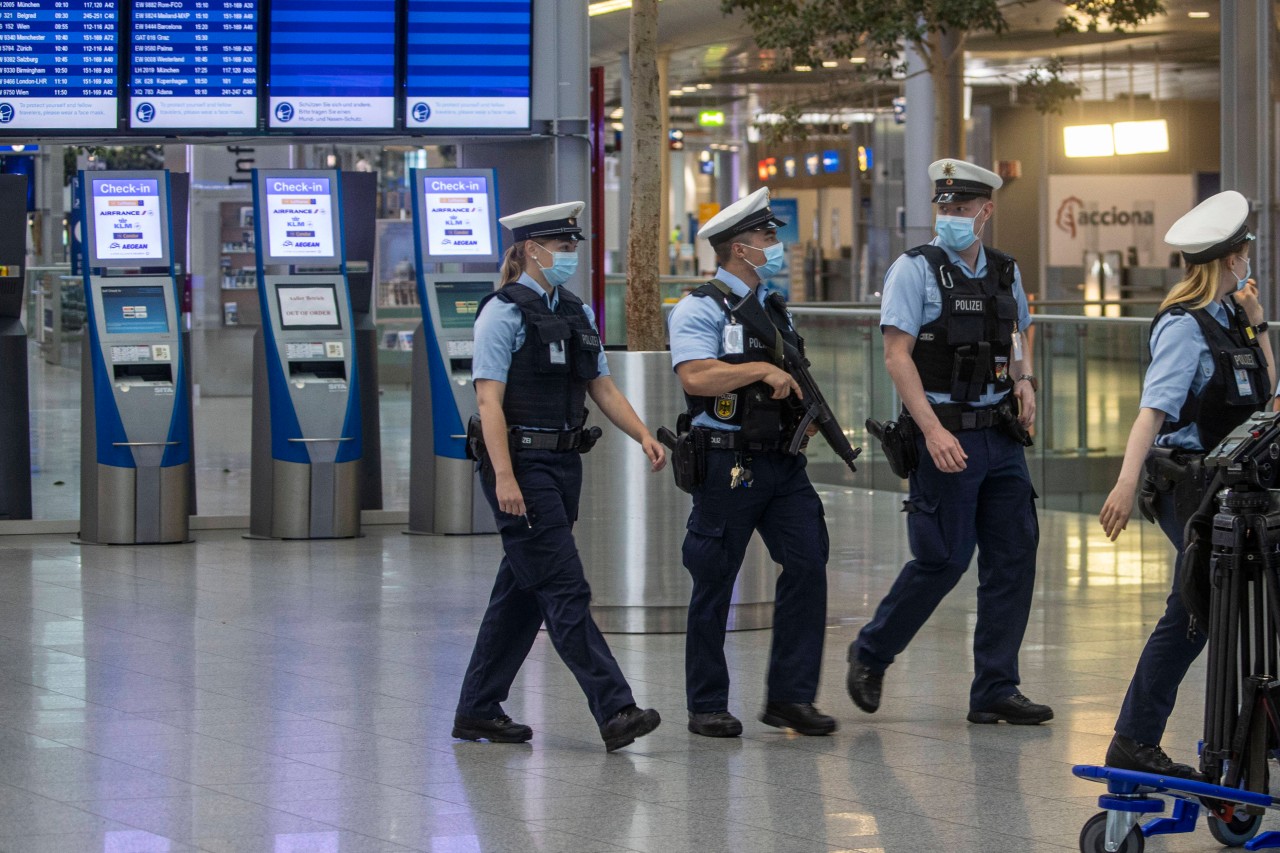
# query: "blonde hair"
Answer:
x=1198 y=288
x=512 y=263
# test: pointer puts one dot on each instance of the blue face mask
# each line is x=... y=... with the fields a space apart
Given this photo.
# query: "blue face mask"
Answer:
x=957 y=233
x=563 y=266
x=1248 y=270
x=773 y=258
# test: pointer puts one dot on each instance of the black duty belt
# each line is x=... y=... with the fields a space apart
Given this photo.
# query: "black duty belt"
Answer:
x=562 y=440
x=723 y=439
x=956 y=417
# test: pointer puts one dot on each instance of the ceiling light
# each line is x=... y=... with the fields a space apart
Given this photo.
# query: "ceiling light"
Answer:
x=604 y=7
x=616 y=114
x=688 y=88
x=675 y=93
x=858 y=60
x=802 y=68
x=830 y=63
x=1197 y=14
x=704 y=86
x=1142 y=137
x=1089 y=140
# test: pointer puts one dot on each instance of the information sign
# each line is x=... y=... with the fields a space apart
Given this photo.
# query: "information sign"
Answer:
x=128 y=222
x=459 y=218
x=299 y=217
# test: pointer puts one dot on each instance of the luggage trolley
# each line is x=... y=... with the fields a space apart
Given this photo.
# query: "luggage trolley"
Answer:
x=1242 y=697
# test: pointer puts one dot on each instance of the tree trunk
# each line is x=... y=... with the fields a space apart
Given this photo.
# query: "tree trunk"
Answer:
x=946 y=65
x=644 y=240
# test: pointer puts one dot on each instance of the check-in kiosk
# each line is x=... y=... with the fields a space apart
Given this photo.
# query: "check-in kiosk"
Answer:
x=455 y=217
x=306 y=455
x=135 y=447
x=15 y=412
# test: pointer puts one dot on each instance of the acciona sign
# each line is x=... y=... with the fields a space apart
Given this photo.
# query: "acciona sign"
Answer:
x=1114 y=212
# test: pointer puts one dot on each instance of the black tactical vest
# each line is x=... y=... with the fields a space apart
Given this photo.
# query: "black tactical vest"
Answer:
x=751 y=407
x=968 y=347
x=1239 y=386
x=547 y=381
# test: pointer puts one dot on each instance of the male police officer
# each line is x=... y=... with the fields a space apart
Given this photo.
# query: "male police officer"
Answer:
x=738 y=401
x=952 y=315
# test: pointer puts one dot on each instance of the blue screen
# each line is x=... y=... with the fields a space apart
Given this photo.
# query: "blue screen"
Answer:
x=333 y=63
x=194 y=63
x=468 y=64
x=135 y=309
x=58 y=71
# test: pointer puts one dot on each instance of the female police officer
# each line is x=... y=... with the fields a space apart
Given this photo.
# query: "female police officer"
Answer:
x=1210 y=369
x=537 y=357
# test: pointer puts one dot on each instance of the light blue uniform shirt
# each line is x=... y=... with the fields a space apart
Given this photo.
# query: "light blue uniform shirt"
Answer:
x=697 y=326
x=499 y=332
x=1180 y=363
x=912 y=299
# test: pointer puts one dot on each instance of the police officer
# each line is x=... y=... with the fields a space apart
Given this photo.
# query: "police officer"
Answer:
x=740 y=399
x=1211 y=368
x=537 y=357
x=952 y=316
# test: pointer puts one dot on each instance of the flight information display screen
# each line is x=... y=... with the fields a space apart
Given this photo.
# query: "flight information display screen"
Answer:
x=135 y=310
x=58 y=64
x=468 y=64
x=194 y=64
x=333 y=64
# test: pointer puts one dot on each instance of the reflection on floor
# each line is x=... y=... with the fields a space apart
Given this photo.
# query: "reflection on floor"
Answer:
x=235 y=695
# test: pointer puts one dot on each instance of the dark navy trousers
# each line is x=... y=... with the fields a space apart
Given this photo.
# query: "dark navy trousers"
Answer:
x=782 y=504
x=989 y=506
x=541 y=580
x=1168 y=654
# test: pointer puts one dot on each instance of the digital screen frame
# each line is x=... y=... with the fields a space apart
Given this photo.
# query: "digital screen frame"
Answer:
x=325 y=296
x=456 y=214
x=110 y=197
x=135 y=309
x=458 y=299
x=298 y=206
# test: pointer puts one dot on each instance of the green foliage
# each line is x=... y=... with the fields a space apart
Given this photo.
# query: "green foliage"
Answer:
x=1120 y=14
x=1047 y=89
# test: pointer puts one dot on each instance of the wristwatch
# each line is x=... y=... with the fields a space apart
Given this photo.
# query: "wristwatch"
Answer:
x=1035 y=383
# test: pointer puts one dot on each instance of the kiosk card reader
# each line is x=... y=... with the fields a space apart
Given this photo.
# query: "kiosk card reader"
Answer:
x=135 y=427
x=306 y=455
x=455 y=217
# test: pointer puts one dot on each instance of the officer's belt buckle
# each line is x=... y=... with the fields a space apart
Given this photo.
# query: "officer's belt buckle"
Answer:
x=968 y=420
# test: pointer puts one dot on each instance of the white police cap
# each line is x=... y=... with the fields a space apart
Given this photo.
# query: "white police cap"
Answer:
x=960 y=180
x=1212 y=229
x=550 y=220
x=745 y=214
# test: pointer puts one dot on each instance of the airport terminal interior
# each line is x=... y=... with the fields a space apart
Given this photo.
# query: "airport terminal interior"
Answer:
x=243 y=555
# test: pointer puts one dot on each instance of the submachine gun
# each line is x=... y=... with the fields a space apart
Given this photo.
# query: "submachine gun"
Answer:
x=1241 y=577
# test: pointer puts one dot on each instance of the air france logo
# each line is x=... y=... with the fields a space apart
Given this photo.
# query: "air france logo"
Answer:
x=145 y=112
x=284 y=111
x=7 y=113
x=421 y=112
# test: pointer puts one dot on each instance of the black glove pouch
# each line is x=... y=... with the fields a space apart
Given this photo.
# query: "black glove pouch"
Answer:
x=689 y=460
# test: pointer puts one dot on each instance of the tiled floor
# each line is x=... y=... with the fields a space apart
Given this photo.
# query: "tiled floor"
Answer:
x=235 y=695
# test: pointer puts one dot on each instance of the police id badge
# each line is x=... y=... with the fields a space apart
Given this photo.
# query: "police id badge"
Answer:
x=557 y=352
x=1001 y=368
x=732 y=339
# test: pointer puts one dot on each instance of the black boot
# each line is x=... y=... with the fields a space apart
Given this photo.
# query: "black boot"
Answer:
x=627 y=725
x=501 y=729
x=715 y=724
x=801 y=717
x=1127 y=754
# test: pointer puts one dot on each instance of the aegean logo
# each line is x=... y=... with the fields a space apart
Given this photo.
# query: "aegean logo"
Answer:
x=421 y=112
x=6 y=113
x=284 y=111
x=145 y=112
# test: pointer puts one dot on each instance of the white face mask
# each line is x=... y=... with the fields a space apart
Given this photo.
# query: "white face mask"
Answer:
x=1248 y=269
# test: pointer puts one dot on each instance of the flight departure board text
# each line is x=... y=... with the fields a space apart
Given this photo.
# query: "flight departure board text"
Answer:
x=333 y=64
x=59 y=61
x=193 y=64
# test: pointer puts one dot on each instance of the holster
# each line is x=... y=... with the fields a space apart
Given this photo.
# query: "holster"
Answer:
x=590 y=435
x=1009 y=423
x=475 y=440
x=688 y=453
x=898 y=441
x=1177 y=473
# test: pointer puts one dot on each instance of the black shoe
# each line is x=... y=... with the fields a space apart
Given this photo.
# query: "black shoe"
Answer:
x=801 y=717
x=1127 y=754
x=498 y=730
x=627 y=725
x=1016 y=709
x=715 y=724
x=863 y=684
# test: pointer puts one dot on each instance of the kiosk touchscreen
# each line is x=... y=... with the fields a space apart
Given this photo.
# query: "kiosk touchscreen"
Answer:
x=455 y=223
x=135 y=399
x=306 y=417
